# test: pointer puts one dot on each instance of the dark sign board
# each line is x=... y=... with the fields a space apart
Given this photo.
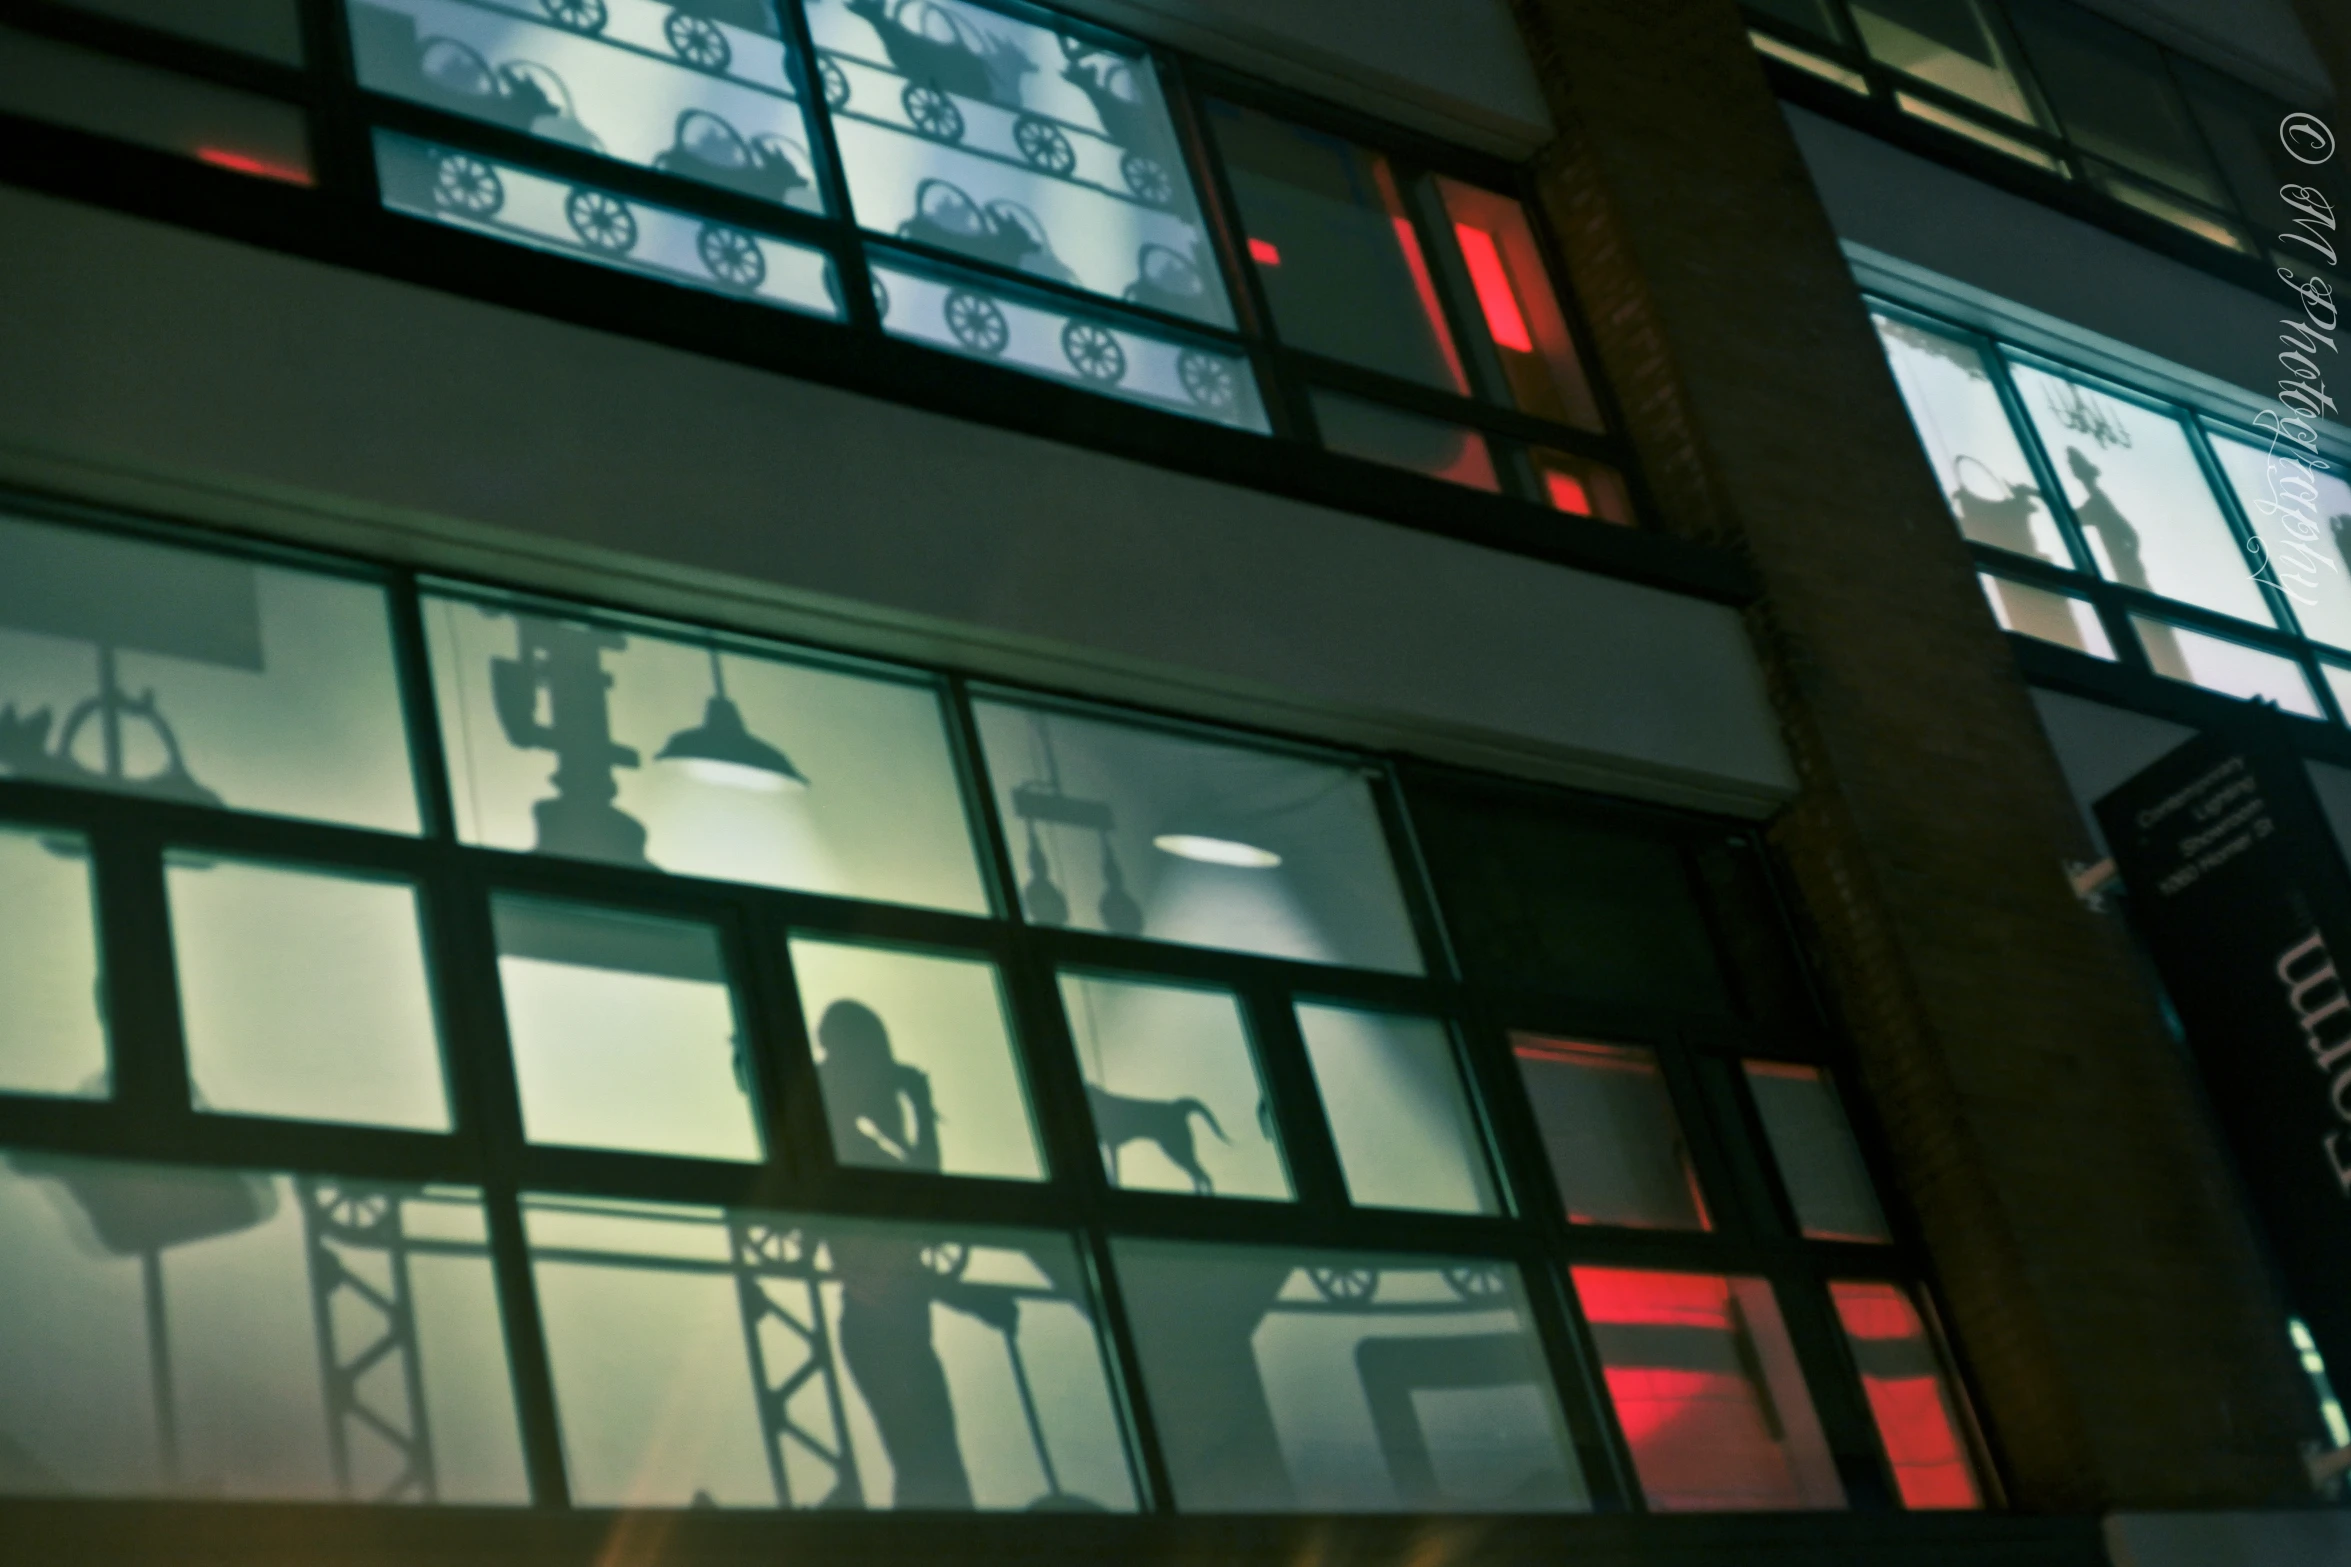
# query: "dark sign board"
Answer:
x=2242 y=896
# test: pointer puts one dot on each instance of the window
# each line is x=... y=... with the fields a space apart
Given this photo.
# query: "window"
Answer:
x=1024 y=191
x=2129 y=529
x=740 y=1076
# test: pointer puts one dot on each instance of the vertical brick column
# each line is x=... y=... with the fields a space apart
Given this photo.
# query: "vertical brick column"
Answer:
x=2101 y=1281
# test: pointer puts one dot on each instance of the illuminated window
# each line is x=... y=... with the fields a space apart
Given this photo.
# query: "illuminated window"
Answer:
x=1957 y=45
x=1521 y=315
x=1909 y=1396
x=2064 y=619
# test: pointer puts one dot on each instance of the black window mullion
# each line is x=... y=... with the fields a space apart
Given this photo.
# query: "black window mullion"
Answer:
x=1826 y=1361
x=1308 y=1148
x=344 y=151
x=138 y=977
x=1601 y=1450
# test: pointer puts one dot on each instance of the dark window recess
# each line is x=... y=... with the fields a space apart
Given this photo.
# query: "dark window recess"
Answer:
x=1534 y=899
x=1765 y=970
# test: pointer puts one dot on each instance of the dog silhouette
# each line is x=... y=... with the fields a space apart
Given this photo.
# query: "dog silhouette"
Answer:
x=1119 y=1120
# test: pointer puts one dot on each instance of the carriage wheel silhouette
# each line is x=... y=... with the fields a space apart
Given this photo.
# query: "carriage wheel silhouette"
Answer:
x=1147 y=179
x=933 y=112
x=834 y=81
x=945 y=1258
x=1207 y=379
x=354 y=1214
x=581 y=16
x=1094 y=352
x=602 y=221
x=1344 y=1283
x=1475 y=1281
x=1041 y=142
x=976 y=322
x=697 y=41
x=881 y=300
x=464 y=182
x=732 y=256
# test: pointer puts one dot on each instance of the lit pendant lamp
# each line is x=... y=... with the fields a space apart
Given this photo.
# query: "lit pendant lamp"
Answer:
x=1209 y=850
x=721 y=750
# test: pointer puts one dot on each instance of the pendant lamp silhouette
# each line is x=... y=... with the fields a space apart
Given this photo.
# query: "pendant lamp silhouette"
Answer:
x=722 y=750
x=1042 y=802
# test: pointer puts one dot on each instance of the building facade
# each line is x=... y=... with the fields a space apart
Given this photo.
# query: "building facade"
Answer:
x=910 y=779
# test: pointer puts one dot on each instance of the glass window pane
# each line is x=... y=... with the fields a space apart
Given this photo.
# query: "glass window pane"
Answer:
x=1811 y=1142
x=269 y=28
x=1326 y=1382
x=2199 y=221
x=52 y=1012
x=1142 y=832
x=1977 y=458
x=2302 y=515
x=305 y=994
x=1520 y=313
x=2113 y=96
x=746 y=1359
x=167 y=1332
x=1172 y=1083
x=1816 y=17
x=1013 y=143
x=1581 y=487
x=1610 y=1132
x=198 y=678
x=106 y=96
x=1392 y=1091
x=1036 y=333
x=1804 y=59
x=624 y=1031
x=2053 y=617
x=1909 y=1396
x=705 y=757
x=2140 y=495
x=1335 y=248
x=1981 y=134
x=700 y=90
x=505 y=201
x=1955 y=44
x=2339 y=682
x=915 y=1057
x=1452 y=452
x=2240 y=125
x=2231 y=668
x=1707 y=1389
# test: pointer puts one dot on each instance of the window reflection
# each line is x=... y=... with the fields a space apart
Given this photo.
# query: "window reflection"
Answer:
x=698 y=88
x=52 y=1011
x=1708 y=1392
x=1325 y=1382
x=1048 y=152
x=1960 y=420
x=1398 y=1110
x=916 y=1062
x=1173 y=1088
x=750 y=1359
x=697 y=756
x=199 y=679
x=1610 y=1133
x=625 y=1032
x=1909 y=1395
x=1141 y=832
x=221 y=1334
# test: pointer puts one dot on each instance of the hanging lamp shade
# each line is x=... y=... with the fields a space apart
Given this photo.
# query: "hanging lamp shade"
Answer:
x=721 y=750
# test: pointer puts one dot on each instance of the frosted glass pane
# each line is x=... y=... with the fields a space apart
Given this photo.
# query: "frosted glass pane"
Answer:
x=305 y=994
x=642 y=749
x=1975 y=452
x=700 y=90
x=52 y=1014
x=915 y=1057
x=1391 y=1089
x=2140 y=495
x=1955 y=44
x=1708 y=1392
x=1140 y=832
x=490 y=196
x=1909 y=1395
x=1010 y=142
x=198 y=678
x=2231 y=668
x=1812 y=1144
x=2302 y=515
x=1173 y=1086
x=624 y=1032
x=745 y=1359
x=1610 y=1133
x=1337 y=1383
x=2052 y=617
x=1452 y=452
x=163 y=1332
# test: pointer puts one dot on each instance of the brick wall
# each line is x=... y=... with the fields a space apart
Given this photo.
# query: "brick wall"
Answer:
x=2102 y=1285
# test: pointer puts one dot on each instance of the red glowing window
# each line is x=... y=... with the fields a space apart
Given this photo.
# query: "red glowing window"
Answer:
x=1909 y=1396
x=1566 y=493
x=1493 y=285
x=1264 y=253
x=1609 y=1129
x=1522 y=313
x=1706 y=1387
x=247 y=163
